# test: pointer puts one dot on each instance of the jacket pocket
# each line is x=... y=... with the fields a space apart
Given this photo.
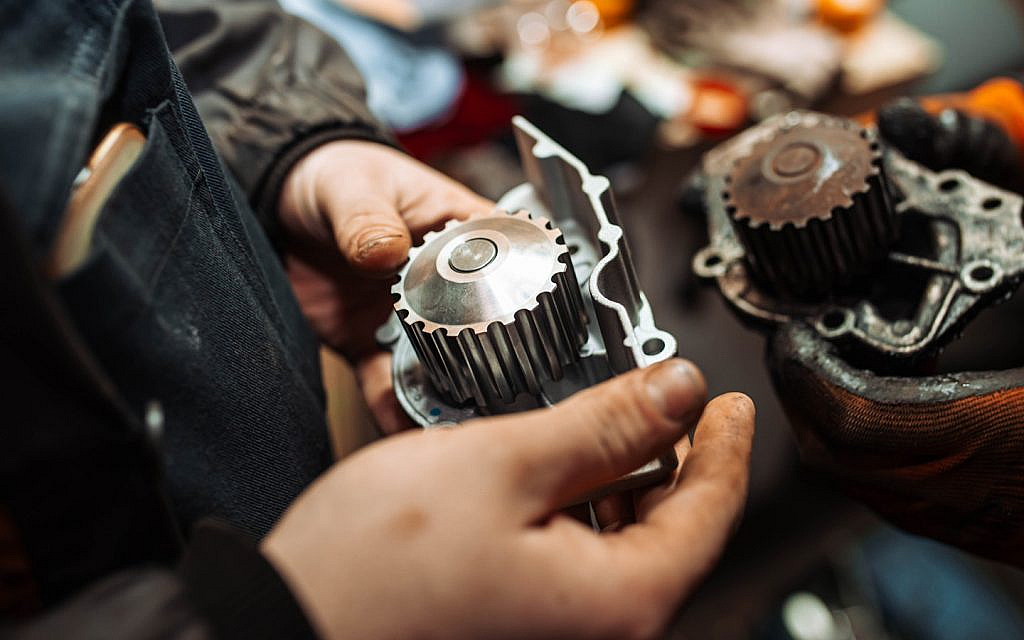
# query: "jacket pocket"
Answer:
x=137 y=227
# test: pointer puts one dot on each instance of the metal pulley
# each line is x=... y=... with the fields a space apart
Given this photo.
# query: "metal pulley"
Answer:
x=810 y=205
x=492 y=307
x=811 y=219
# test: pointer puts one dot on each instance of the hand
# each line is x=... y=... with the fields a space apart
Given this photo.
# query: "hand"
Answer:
x=940 y=456
x=935 y=454
x=456 y=533
x=351 y=210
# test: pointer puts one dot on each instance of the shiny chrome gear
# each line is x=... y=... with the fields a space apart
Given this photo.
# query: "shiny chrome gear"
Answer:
x=810 y=204
x=492 y=307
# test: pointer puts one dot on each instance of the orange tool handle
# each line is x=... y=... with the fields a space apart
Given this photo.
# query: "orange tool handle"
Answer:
x=1000 y=101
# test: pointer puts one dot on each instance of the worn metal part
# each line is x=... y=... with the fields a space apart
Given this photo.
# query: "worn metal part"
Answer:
x=810 y=205
x=492 y=308
x=962 y=242
x=620 y=333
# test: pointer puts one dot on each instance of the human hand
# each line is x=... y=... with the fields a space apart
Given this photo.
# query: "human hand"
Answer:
x=940 y=456
x=457 y=533
x=351 y=210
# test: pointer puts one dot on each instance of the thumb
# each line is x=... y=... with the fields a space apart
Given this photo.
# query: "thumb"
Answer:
x=604 y=432
x=369 y=231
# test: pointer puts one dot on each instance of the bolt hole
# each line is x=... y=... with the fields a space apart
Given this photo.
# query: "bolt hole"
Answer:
x=833 y=320
x=949 y=185
x=653 y=346
x=982 y=273
x=991 y=203
x=435 y=412
x=712 y=261
x=574 y=249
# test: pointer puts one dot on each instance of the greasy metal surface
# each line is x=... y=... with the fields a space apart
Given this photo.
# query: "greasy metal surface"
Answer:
x=621 y=333
x=492 y=308
x=809 y=167
x=809 y=204
x=977 y=236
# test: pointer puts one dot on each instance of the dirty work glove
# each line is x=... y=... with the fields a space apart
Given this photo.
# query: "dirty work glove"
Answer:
x=941 y=456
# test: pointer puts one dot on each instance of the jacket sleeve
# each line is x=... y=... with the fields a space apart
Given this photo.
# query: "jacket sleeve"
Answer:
x=224 y=588
x=269 y=87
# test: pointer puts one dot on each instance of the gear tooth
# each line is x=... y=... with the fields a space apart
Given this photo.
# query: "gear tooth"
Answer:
x=744 y=216
x=795 y=247
x=549 y=286
x=542 y=222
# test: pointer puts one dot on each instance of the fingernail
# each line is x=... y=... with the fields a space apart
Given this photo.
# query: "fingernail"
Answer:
x=675 y=388
x=374 y=237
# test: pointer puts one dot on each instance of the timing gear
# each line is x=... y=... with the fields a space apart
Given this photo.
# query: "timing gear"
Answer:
x=785 y=249
x=492 y=307
x=810 y=205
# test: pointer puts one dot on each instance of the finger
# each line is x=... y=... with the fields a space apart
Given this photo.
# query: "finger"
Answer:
x=598 y=434
x=435 y=199
x=693 y=522
x=614 y=511
x=374 y=375
x=659 y=560
x=369 y=230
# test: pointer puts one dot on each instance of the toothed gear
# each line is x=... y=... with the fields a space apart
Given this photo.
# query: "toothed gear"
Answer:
x=810 y=205
x=492 y=307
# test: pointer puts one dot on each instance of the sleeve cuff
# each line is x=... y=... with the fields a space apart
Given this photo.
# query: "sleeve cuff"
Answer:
x=236 y=589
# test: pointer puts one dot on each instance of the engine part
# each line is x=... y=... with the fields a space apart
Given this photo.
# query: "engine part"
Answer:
x=960 y=245
x=810 y=206
x=511 y=312
x=492 y=308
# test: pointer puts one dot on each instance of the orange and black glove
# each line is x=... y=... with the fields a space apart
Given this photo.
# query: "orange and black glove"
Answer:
x=939 y=455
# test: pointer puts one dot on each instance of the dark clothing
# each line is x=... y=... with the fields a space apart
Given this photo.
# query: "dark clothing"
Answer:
x=223 y=588
x=268 y=86
x=181 y=312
